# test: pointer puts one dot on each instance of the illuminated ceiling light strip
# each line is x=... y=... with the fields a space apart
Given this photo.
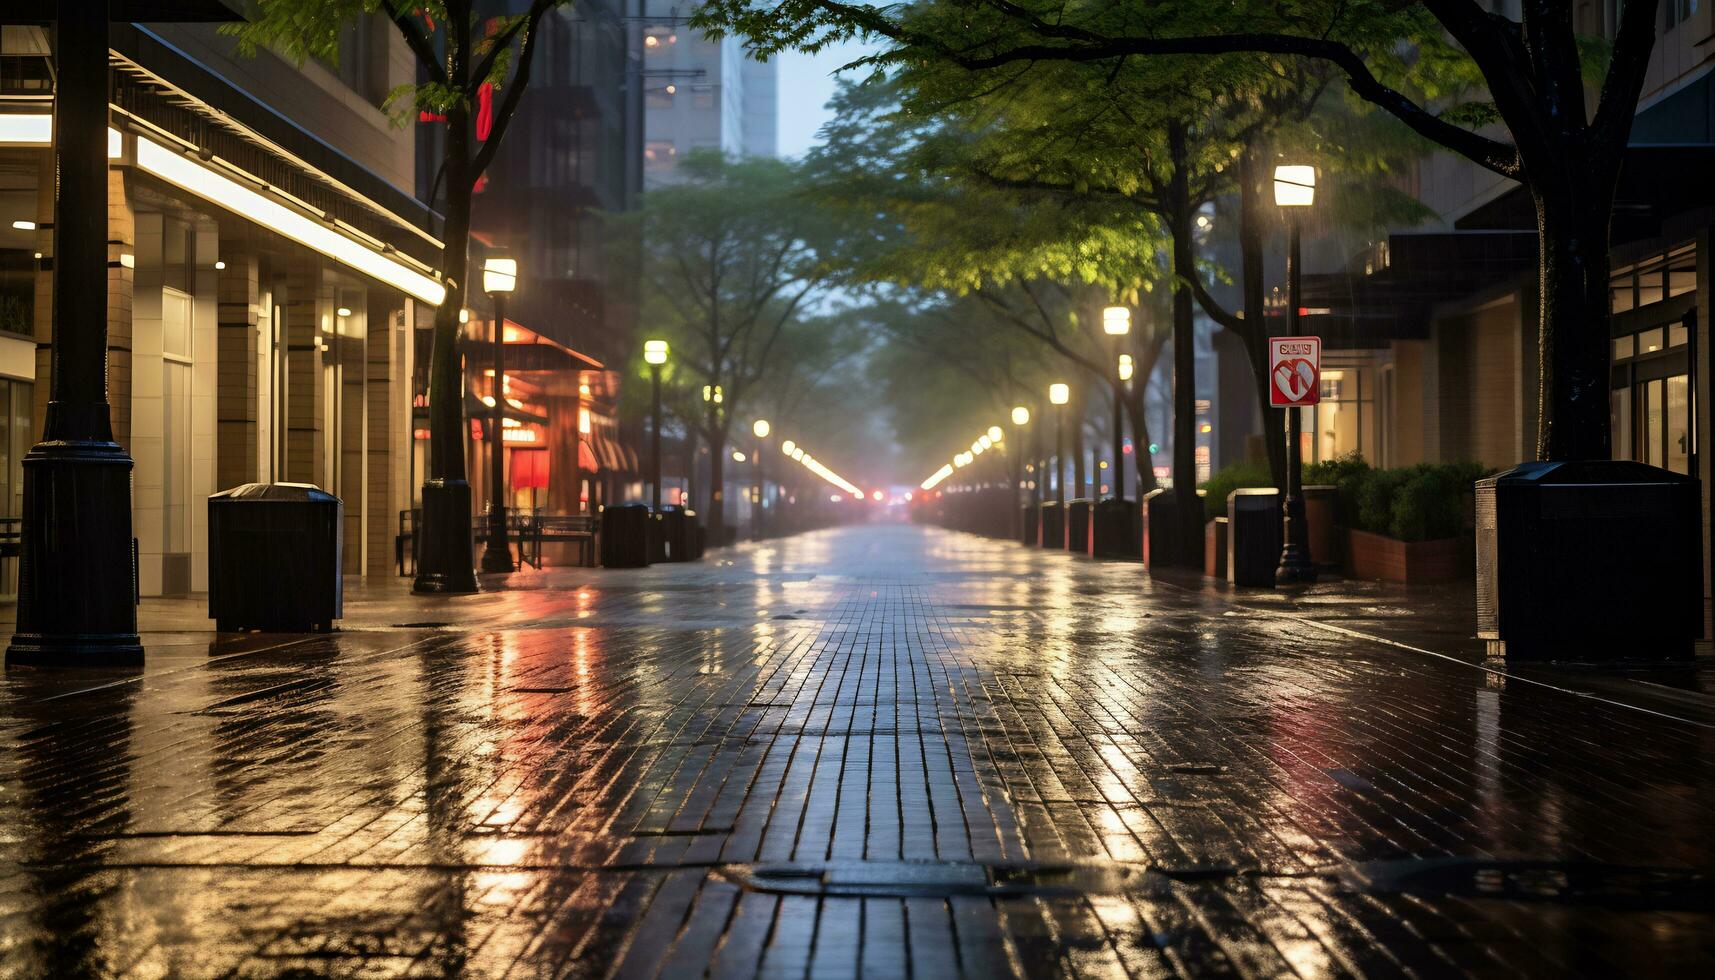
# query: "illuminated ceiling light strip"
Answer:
x=205 y=183
x=945 y=471
x=34 y=130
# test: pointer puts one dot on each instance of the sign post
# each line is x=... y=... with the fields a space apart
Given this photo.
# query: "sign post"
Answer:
x=1294 y=381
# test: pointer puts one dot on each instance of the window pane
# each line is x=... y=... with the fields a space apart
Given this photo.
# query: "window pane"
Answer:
x=1676 y=335
x=1621 y=292
x=1624 y=347
x=1681 y=280
x=1620 y=422
x=1654 y=424
x=1678 y=424
x=1650 y=341
x=1650 y=287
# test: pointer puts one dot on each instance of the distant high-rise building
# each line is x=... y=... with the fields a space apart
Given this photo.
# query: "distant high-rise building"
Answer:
x=701 y=94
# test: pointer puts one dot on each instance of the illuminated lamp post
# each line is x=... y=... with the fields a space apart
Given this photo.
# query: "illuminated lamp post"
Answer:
x=1294 y=190
x=655 y=355
x=760 y=428
x=77 y=588
x=1116 y=323
x=499 y=277
x=1058 y=395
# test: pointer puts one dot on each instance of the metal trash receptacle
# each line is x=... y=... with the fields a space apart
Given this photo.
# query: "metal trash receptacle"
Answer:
x=275 y=558
x=1114 y=529
x=625 y=535
x=1078 y=524
x=1029 y=514
x=675 y=531
x=1253 y=536
x=1051 y=526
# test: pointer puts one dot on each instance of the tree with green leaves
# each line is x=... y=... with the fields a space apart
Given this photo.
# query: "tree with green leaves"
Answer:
x=730 y=255
x=465 y=55
x=1564 y=150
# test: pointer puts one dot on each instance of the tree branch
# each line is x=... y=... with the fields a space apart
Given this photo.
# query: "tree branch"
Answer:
x=514 y=92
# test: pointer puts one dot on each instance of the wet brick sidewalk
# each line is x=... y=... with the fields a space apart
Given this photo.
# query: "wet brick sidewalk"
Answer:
x=885 y=751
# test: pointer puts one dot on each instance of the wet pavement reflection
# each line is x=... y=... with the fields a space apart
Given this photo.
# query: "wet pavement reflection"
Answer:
x=880 y=751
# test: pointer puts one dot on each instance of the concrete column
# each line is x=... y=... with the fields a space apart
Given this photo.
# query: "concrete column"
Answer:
x=353 y=424
x=386 y=401
x=237 y=438
x=304 y=309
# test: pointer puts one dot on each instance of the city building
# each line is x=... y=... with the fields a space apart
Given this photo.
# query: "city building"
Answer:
x=1431 y=333
x=573 y=154
x=268 y=261
x=700 y=94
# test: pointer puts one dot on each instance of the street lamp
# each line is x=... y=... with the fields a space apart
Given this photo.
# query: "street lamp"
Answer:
x=1116 y=323
x=1058 y=395
x=655 y=355
x=499 y=277
x=760 y=428
x=1294 y=189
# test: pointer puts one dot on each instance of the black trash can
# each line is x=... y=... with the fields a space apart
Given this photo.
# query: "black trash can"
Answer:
x=675 y=534
x=1589 y=561
x=1078 y=524
x=1051 y=526
x=1027 y=523
x=625 y=535
x=1160 y=533
x=274 y=558
x=1115 y=532
x=696 y=534
x=1253 y=536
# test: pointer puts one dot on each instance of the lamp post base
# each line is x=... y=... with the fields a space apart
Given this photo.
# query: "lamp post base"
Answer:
x=1296 y=568
x=497 y=553
x=77 y=584
x=444 y=559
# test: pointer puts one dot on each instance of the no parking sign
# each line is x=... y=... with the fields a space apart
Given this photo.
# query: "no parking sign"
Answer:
x=1294 y=371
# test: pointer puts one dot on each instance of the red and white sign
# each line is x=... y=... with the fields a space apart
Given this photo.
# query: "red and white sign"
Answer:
x=1294 y=371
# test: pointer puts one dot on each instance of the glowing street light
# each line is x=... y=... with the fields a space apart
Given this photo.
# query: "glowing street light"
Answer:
x=1127 y=367
x=1058 y=395
x=1020 y=415
x=995 y=434
x=787 y=447
x=1116 y=323
x=760 y=428
x=1294 y=190
x=500 y=277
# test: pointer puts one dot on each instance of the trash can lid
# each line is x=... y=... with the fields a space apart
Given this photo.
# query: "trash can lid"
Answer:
x=1585 y=472
x=638 y=506
x=275 y=493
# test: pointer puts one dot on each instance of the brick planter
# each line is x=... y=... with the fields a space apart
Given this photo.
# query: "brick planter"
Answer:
x=1376 y=556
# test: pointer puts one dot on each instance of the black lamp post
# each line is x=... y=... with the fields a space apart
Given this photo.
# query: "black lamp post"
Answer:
x=760 y=429
x=1116 y=323
x=76 y=579
x=655 y=355
x=1058 y=395
x=1294 y=189
x=499 y=277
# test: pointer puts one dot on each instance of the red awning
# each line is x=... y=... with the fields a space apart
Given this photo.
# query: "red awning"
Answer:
x=586 y=457
x=529 y=469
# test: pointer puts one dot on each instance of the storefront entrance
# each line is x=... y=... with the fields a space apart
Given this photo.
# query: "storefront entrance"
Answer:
x=1650 y=404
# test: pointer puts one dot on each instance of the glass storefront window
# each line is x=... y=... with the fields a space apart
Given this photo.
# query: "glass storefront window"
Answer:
x=1620 y=422
x=1655 y=423
x=1679 y=424
x=1653 y=279
x=1624 y=347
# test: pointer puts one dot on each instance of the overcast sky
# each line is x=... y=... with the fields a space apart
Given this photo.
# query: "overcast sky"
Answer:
x=806 y=84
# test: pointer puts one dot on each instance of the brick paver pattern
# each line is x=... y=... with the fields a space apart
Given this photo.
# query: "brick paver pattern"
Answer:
x=887 y=751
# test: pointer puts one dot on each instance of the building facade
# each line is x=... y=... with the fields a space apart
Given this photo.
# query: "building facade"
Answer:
x=700 y=94
x=263 y=281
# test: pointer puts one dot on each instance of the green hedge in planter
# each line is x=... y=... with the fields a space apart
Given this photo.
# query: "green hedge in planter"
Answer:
x=1426 y=502
x=1233 y=476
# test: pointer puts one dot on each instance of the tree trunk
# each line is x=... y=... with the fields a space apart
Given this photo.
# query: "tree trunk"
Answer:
x=1078 y=405
x=1140 y=440
x=1572 y=259
x=445 y=559
x=717 y=484
x=1253 y=177
x=1185 y=500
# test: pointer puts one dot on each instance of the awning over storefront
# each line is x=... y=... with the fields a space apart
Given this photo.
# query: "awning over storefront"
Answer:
x=1390 y=290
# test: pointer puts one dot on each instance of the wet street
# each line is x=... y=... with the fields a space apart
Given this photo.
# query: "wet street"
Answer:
x=888 y=751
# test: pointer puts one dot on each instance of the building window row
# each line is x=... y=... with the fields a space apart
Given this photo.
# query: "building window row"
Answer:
x=1653 y=279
